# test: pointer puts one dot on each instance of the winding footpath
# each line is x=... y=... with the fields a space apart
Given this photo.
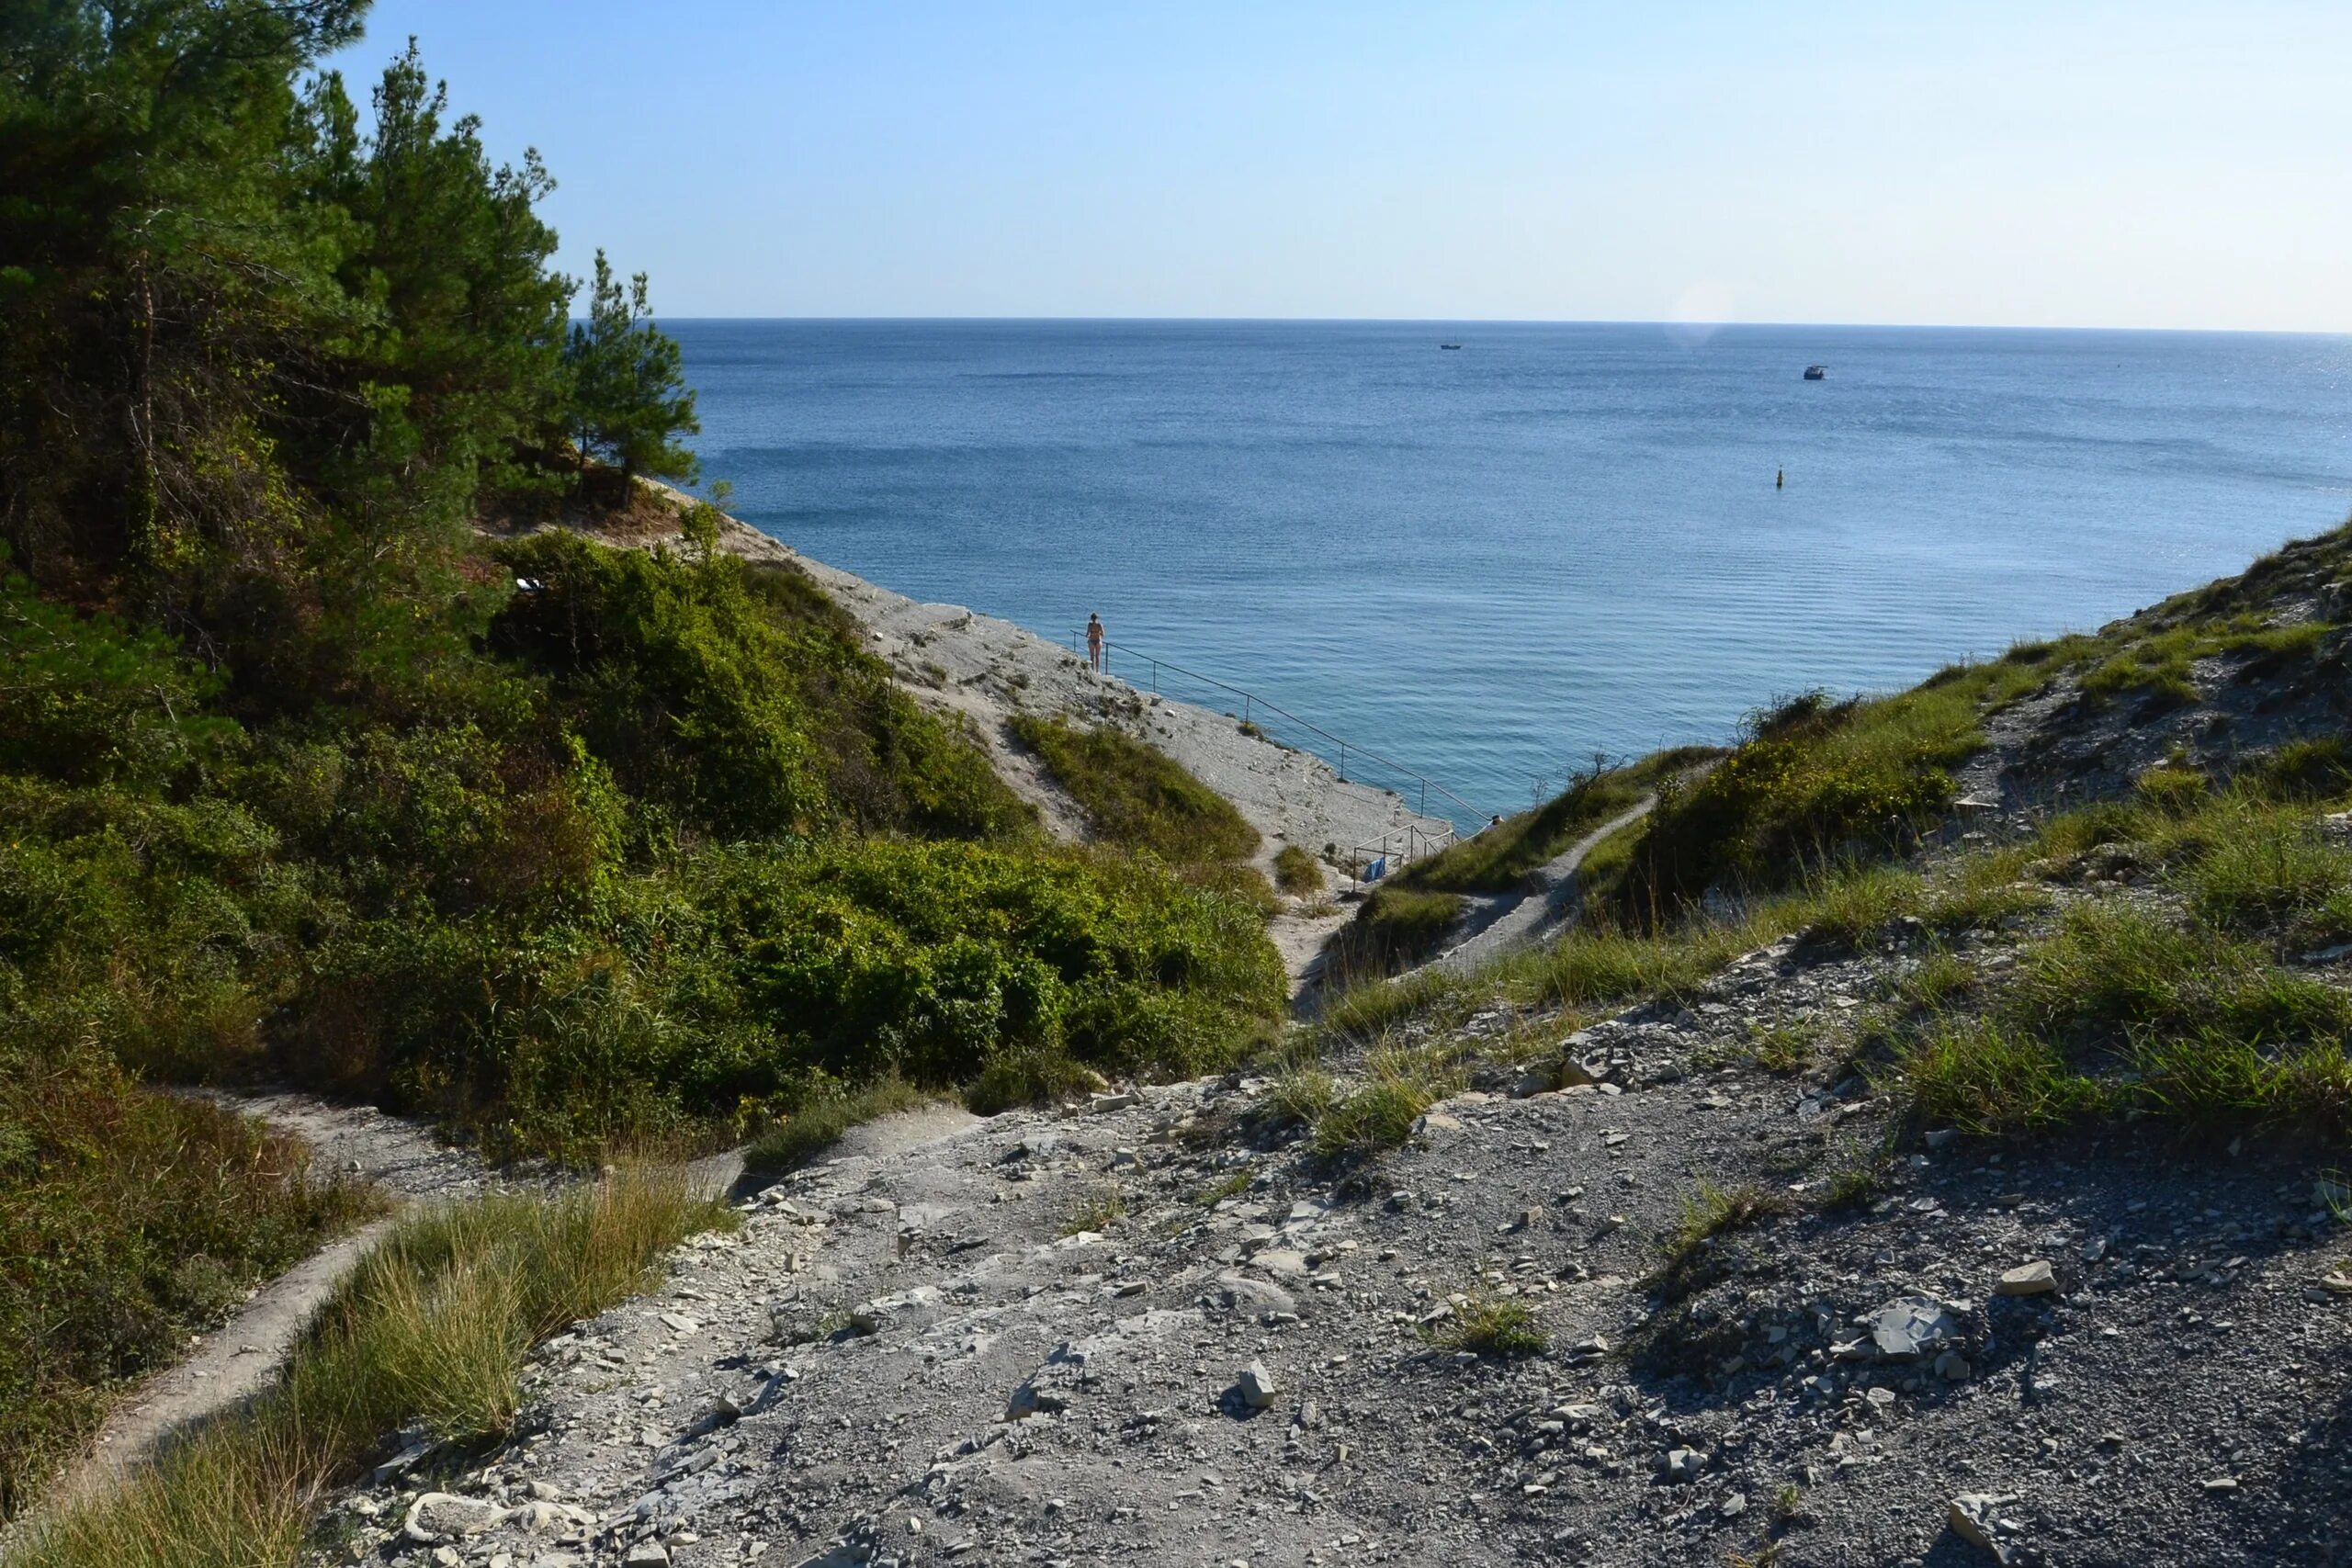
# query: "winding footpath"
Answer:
x=1510 y=922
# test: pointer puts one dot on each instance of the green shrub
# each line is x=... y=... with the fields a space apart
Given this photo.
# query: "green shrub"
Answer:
x=1813 y=782
x=1297 y=872
x=749 y=711
x=1499 y=858
x=1136 y=797
x=1394 y=928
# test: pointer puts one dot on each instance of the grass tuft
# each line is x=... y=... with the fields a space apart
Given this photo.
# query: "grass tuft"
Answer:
x=819 y=1124
x=1491 y=1326
x=1689 y=1255
x=1097 y=1211
x=1296 y=872
x=1379 y=1114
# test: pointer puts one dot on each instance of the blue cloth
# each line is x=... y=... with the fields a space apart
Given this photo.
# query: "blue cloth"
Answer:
x=1376 y=870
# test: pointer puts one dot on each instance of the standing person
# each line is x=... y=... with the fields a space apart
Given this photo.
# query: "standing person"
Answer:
x=1094 y=642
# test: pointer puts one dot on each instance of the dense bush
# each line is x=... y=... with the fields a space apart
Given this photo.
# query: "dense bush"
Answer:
x=735 y=698
x=1813 y=782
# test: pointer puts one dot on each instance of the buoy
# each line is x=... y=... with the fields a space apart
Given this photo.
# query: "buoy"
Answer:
x=1780 y=477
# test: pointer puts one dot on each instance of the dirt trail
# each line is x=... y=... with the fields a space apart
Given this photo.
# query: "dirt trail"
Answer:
x=1519 y=921
x=236 y=1360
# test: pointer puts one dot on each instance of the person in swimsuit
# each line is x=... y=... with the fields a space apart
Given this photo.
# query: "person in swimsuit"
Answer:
x=1094 y=641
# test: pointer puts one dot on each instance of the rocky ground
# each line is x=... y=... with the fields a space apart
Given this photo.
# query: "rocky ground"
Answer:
x=1157 y=1328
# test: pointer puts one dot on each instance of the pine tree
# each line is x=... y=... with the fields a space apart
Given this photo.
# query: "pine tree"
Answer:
x=630 y=400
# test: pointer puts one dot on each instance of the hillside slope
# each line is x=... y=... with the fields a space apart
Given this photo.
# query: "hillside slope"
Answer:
x=1970 y=1197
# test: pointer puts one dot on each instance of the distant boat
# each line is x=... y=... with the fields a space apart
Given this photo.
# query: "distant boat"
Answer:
x=1449 y=345
x=1816 y=372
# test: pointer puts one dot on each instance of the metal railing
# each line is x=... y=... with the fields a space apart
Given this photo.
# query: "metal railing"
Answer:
x=1367 y=863
x=1253 y=704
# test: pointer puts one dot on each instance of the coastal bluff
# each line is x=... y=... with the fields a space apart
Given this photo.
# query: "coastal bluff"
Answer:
x=987 y=670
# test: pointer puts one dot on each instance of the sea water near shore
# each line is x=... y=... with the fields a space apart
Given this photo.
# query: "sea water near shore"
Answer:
x=1489 y=562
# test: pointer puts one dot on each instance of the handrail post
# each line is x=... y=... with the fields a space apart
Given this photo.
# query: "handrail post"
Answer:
x=1343 y=761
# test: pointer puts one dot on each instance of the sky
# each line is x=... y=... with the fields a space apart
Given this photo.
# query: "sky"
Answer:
x=2055 y=164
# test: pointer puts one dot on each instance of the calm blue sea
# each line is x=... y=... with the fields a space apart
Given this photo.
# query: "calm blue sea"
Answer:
x=1490 y=563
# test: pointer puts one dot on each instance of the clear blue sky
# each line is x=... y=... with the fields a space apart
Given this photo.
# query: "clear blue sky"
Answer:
x=2054 y=163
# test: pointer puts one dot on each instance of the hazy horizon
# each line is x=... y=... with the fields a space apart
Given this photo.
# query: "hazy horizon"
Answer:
x=1700 y=326
x=2167 y=166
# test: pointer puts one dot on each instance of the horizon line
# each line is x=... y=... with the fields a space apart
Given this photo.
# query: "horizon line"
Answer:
x=1670 y=326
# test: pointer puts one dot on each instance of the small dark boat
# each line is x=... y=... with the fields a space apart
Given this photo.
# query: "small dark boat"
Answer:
x=1449 y=345
x=1816 y=372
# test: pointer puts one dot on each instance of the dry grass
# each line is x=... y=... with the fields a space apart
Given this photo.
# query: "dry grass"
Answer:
x=433 y=1327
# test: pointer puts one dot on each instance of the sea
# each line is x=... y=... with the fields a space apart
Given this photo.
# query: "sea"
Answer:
x=1482 y=566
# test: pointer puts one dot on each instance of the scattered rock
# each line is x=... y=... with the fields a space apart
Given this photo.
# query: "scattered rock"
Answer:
x=444 y=1515
x=1911 y=1326
x=1257 y=1386
x=1682 y=1466
x=1975 y=1516
x=2033 y=1279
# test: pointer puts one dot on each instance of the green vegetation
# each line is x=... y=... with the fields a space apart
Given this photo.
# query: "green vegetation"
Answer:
x=645 y=851
x=1097 y=1211
x=1379 y=1113
x=1491 y=1326
x=2123 y=1008
x=1304 y=1092
x=824 y=1116
x=1217 y=1192
x=1397 y=927
x=1688 y=1254
x=2157 y=662
x=1857 y=1181
x=1135 y=796
x=431 y=1328
x=1499 y=859
x=1296 y=872
x=2119 y=1008
x=132 y=1219
x=1813 y=782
